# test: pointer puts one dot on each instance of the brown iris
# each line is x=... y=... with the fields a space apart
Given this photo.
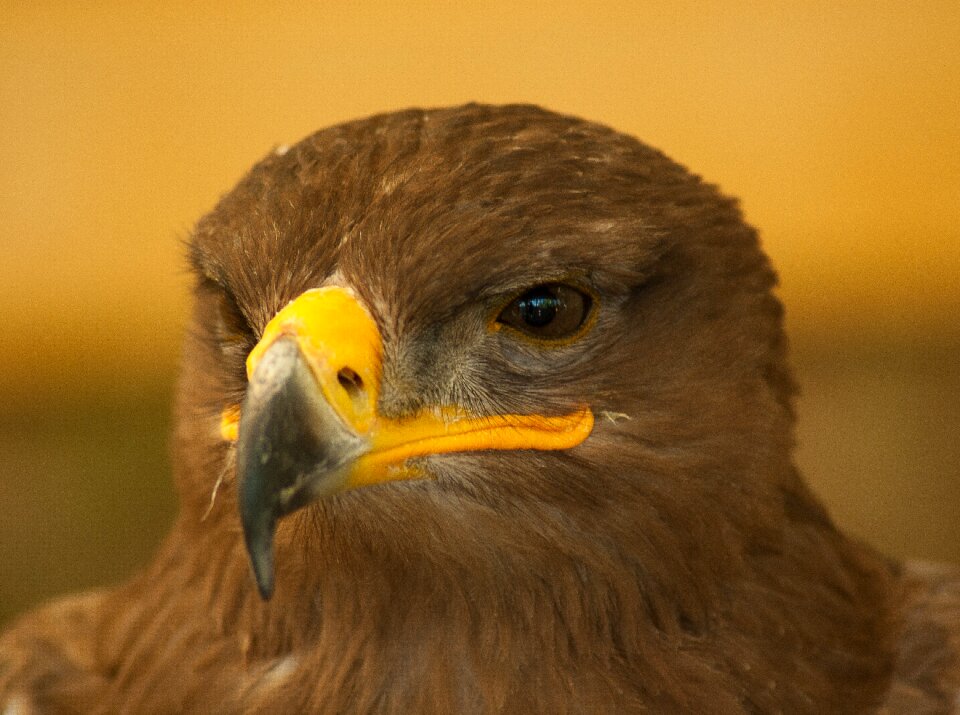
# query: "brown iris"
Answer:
x=552 y=311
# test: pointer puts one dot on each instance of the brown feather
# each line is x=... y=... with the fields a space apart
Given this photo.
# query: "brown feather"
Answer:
x=673 y=562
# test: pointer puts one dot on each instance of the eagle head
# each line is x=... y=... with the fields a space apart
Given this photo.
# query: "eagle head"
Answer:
x=502 y=395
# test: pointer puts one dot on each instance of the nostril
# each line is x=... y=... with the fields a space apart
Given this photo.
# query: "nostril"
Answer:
x=351 y=382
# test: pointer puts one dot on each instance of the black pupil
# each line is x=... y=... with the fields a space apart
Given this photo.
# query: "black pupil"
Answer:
x=539 y=307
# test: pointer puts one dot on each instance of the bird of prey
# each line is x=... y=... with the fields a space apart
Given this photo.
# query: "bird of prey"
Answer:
x=487 y=410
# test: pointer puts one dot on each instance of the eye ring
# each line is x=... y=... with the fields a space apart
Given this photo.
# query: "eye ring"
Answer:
x=549 y=313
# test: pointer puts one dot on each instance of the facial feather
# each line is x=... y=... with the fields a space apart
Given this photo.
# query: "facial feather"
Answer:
x=674 y=561
x=668 y=522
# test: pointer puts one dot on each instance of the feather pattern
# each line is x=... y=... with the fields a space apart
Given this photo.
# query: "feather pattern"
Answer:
x=673 y=562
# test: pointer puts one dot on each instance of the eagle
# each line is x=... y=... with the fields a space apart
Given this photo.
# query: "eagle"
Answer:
x=487 y=409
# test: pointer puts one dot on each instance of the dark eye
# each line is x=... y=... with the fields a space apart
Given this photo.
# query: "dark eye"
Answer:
x=552 y=311
x=232 y=326
x=227 y=328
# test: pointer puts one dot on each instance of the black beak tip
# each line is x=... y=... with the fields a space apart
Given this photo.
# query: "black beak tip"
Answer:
x=265 y=584
x=260 y=550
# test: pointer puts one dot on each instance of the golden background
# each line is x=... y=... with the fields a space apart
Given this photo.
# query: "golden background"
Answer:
x=838 y=125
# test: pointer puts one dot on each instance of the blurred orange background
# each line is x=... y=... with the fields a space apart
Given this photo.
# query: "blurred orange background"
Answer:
x=838 y=125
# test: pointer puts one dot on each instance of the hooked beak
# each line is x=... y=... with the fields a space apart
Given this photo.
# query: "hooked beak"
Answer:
x=309 y=427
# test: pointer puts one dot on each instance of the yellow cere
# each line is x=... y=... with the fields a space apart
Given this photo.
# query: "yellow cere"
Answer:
x=334 y=333
x=340 y=341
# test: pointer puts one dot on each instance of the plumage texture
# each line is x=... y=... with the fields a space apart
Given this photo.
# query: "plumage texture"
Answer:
x=673 y=562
